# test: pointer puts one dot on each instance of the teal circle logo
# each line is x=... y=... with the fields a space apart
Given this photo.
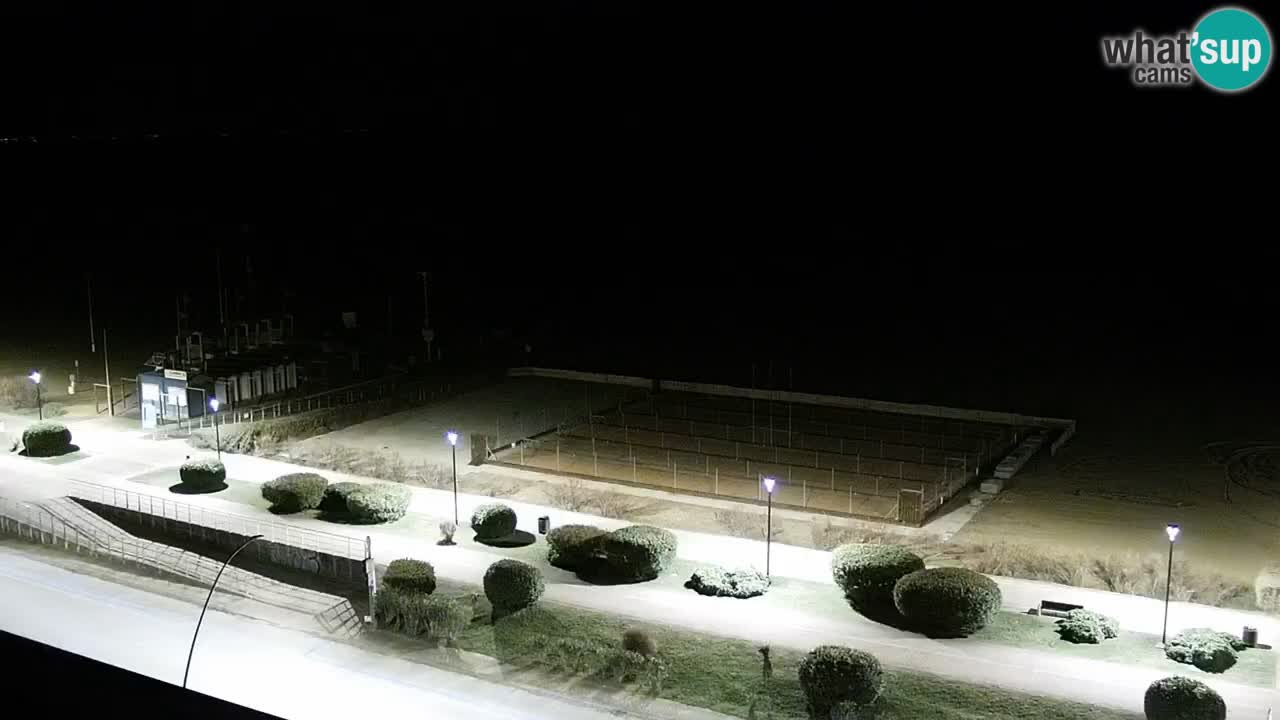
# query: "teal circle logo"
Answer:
x=1231 y=49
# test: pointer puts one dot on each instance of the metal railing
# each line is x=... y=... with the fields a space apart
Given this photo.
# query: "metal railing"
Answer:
x=38 y=524
x=344 y=546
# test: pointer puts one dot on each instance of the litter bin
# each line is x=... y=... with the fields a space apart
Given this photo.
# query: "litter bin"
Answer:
x=544 y=524
x=1250 y=636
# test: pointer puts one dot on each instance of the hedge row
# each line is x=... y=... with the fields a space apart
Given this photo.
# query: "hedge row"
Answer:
x=717 y=581
x=1086 y=626
x=1209 y=650
x=947 y=601
x=631 y=554
x=410 y=575
x=867 y=573
x=202 y=475
x=493 y=521
x=1180 y=698
x=295 y=492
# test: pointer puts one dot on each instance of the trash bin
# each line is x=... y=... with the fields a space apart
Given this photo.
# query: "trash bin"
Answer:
x=544 y=525
x=1250 y=636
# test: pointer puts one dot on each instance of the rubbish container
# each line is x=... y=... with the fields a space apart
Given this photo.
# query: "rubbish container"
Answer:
x=544 y=525
x=1250 y=636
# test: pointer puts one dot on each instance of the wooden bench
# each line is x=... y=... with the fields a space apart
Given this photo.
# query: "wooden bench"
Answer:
x=1052 y=608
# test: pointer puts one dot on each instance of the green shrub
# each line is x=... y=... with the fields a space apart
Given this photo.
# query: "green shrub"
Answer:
x=1209 y=650
x=295 y=492
x=569 y=547
x=716 y=581
x=1086 y=626
x=417 y=614
x=947 y=602
x=409 y=575
x=512 y=585
x=633 y=554
x=572 y=655
x=335 y=496
x=649 y=672
x=447 y=617
x=492 y=521
x=638 y=641
x=833 y=675
x=202 y=474
x=46 y=439
x=378 y=503
x=867 y=573
x=1180 y=698
x=403 y=612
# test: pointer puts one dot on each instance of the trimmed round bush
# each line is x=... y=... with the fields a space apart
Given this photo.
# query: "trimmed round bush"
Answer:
x=1087 y=626
x=636 y=553
x=492 y=521
x=639 y=642
x=335 y=496
x=833 y=675
x=512 y=585
x=409 y=575
x=202 y=474
x=1181 y=698
x=569 y=547
x=1209 y=650
x=867 y=573
x=295 y=492
x=46 y=439
x=378 y=503
x=718 y=582
x=947 y=602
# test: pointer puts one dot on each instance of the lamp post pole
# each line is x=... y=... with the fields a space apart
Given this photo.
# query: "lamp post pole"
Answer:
x=768 y=525
x=199 y=622
x=452 y=437
x=35 y=378
x=217 y=438
x=1172 y=530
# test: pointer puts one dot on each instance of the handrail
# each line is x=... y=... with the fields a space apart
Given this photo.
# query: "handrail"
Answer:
x=315 y=540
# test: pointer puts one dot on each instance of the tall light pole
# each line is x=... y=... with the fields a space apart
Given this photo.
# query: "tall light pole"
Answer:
x=217 y=439
x=452 y=437
x=35 y=378
x=769 y=484
x=1172 y=531
x=216 y=578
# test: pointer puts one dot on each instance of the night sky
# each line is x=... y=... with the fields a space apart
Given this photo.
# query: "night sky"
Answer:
x=917 y=201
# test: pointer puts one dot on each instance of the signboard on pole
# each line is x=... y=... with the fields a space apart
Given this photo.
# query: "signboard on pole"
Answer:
x=175 y=375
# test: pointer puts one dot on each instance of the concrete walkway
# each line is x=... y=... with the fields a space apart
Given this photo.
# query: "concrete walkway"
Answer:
x=248 y=662
x=1025 y=670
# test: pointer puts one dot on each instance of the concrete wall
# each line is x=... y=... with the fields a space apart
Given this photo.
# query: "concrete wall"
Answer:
x=344 y=570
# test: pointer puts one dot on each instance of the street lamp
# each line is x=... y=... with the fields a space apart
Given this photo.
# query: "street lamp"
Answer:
x=1172 y=531
x=452 y=437
x=35 y=378
x=209 y=597
x=217 y=439
x=769 y=484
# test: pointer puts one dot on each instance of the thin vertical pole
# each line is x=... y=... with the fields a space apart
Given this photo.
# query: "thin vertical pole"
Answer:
x=768 y=536
x=1168 y=585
